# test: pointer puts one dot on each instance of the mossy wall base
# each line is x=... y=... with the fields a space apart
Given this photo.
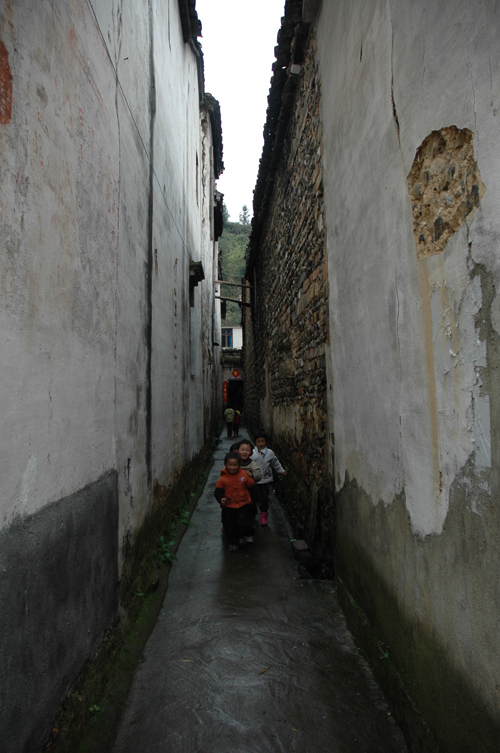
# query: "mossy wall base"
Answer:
x=404 y=598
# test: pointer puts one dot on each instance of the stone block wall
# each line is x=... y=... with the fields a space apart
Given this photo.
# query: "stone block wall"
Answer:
x=286 y=329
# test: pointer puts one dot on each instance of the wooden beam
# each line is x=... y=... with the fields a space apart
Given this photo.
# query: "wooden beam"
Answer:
x=232 y=284
x=233 y=300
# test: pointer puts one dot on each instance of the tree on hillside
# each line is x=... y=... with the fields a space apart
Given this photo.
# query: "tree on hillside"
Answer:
x=244 y=215
x=232 y=247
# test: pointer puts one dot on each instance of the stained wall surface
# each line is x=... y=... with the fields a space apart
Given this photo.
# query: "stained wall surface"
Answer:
x=109 y=375
x=410 y=97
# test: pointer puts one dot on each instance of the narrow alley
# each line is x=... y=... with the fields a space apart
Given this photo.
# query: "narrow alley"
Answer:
x=352 y=315
x=247 y=658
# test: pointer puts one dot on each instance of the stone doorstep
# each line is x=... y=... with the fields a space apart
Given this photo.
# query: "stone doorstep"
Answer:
x=298 y=545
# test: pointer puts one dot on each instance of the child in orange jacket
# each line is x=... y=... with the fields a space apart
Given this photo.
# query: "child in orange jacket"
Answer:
x=234 y=491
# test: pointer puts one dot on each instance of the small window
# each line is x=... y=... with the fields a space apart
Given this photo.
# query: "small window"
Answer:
x=227 y=338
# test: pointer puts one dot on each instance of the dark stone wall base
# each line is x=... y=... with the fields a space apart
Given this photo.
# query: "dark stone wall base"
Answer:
x=58 y=593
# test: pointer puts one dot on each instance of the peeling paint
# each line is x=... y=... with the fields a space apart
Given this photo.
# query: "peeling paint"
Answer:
x=458 y=412
x=445 y=188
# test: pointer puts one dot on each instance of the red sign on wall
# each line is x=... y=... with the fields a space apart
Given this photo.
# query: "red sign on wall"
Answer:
x=224 y=392
x=236 y=374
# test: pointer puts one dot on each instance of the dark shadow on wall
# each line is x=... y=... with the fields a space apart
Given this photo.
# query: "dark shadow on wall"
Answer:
x=59 y=592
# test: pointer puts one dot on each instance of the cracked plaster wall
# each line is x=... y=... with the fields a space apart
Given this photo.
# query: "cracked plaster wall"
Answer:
x=414 y=321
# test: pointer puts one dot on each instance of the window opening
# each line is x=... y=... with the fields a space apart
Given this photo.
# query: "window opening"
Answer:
x=227 y=338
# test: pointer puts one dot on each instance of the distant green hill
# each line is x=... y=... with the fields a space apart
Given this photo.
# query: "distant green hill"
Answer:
x=232 y=247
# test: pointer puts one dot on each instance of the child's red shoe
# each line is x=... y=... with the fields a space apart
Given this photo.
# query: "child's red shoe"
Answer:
x=263 y=518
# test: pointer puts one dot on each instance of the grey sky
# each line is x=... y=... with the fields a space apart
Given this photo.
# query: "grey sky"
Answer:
x=238 y=45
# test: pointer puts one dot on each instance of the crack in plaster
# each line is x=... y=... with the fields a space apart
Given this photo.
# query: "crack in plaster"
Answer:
x=394 y=110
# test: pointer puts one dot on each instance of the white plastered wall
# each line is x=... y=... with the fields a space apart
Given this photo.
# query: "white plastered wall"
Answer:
x=408 y=409
x=75 y=227
x=59 y=241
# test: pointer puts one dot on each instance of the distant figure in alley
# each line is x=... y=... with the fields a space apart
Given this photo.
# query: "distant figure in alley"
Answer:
x=229 y=418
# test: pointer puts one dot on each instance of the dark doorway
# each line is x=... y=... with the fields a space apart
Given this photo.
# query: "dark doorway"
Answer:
x=236 y=394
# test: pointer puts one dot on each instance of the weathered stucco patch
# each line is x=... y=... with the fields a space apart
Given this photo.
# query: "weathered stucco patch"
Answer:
x=5 y=86
x=445 y=188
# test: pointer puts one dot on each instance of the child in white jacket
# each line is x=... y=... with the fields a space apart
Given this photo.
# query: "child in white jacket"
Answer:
x=268 y=463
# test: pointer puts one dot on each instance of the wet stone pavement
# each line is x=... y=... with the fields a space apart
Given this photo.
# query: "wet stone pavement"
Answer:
x=248 y=658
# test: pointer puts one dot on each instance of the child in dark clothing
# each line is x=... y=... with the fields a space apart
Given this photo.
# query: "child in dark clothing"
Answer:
x=234 y=490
